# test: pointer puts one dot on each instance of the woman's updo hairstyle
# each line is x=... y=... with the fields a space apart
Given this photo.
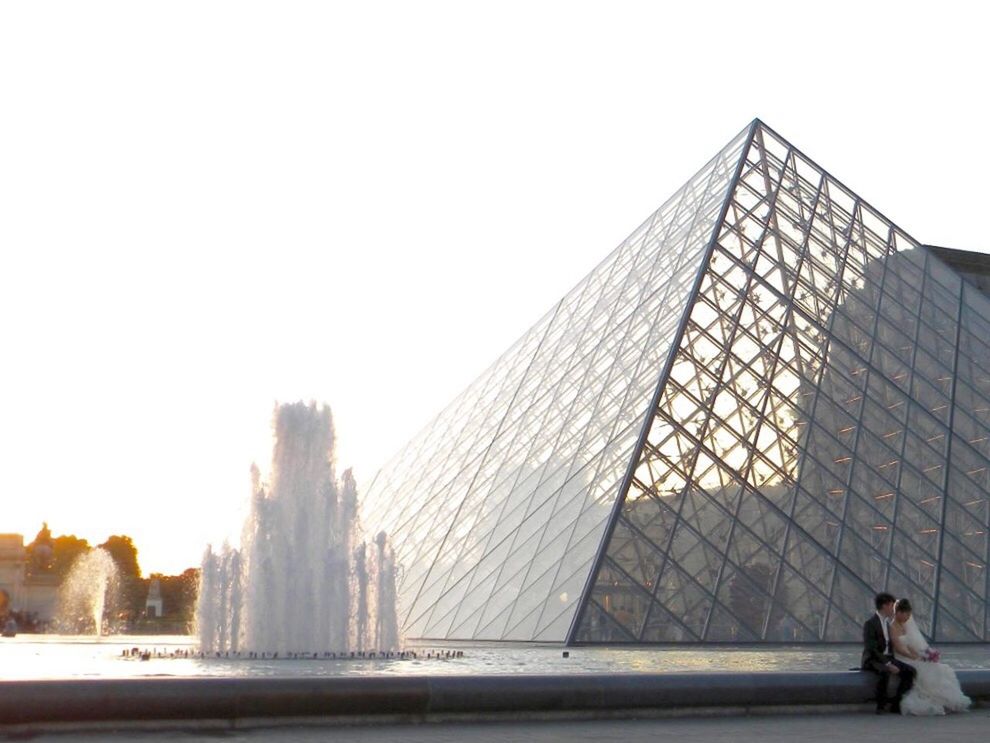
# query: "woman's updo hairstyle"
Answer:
x=902 y=605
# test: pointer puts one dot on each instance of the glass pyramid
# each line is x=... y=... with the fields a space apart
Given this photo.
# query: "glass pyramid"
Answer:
x=766 y=405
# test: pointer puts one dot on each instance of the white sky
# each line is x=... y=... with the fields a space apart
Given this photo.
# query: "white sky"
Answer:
x=206 y=207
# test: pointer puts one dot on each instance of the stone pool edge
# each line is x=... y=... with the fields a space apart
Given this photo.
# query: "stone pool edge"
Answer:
x=226 y=703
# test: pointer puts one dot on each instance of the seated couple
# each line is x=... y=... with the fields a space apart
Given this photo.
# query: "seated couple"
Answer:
x=893 y=647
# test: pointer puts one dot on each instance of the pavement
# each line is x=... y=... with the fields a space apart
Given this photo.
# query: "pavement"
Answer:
x=806 y=728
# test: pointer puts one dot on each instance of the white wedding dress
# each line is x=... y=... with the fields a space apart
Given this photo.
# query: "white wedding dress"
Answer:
x=936 y=688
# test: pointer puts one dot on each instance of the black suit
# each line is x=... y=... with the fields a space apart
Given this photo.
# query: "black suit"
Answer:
x=878 y=656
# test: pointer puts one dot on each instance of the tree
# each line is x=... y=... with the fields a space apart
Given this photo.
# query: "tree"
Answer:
x=48 y=556
x=124 y=553
x=132 y=589
x=179 y=594
x=66 y=550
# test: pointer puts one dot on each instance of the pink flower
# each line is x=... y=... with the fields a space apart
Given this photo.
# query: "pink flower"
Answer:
x=932 y=655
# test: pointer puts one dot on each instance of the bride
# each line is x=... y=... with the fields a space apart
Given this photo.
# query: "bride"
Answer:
x=936 y=689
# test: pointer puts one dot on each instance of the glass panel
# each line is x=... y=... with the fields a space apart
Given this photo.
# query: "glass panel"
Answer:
x=798 y=611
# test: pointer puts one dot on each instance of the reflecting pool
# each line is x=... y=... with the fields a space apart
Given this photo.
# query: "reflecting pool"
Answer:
x=63 y=656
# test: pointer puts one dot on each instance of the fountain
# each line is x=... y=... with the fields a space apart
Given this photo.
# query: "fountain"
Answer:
x=387 y=625
x=303 y=579
x=88 y=591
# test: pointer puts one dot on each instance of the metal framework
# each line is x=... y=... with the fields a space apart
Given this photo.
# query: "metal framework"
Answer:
x=765 y=405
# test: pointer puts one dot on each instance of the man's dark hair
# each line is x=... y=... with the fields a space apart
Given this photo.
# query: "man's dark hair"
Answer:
x=883 y=599
x=902 y=605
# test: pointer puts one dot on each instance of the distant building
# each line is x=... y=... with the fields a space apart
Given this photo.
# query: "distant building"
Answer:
x=153 y=604
x=35 y=597
x=11 y=570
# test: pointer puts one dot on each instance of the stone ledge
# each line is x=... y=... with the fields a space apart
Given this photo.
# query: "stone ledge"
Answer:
x=412 y=698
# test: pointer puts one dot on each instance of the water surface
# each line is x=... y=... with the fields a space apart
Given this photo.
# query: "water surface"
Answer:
x=64 y=656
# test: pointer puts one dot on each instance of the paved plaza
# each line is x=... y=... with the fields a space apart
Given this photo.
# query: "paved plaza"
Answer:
x=810 y=728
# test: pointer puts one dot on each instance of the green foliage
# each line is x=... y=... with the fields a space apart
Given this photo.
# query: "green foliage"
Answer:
x=53 y=556
x=125 y=554
x=179 y=594
x=133 y=590
x=65 y=551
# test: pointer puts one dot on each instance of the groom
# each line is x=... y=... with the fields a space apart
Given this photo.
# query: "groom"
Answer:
x=878 y=655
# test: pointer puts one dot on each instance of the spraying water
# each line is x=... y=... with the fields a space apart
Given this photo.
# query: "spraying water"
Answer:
x=387 y=625
x=88 y=591
x=302 y=580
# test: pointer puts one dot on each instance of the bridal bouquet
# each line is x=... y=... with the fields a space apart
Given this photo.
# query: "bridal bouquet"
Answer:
x=932 y=655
